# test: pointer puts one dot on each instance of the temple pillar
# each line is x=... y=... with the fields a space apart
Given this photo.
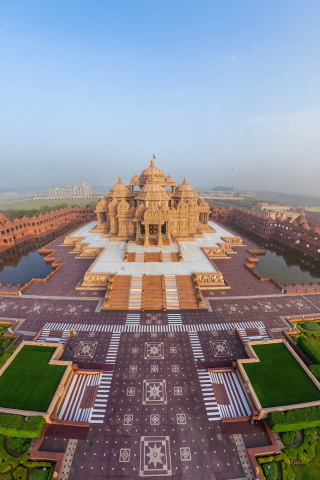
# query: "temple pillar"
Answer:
x=99 y=215
x=160 y=244
x=168 y=233
x=137 y=231
x=146 y=235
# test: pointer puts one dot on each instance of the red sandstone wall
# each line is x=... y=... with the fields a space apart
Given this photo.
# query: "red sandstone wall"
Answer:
x=24 y=230
x=297 y=236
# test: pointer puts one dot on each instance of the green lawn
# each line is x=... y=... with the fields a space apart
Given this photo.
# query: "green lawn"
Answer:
x=30 y=204
x=310 y=471
x=29 y=383
x=278 y=379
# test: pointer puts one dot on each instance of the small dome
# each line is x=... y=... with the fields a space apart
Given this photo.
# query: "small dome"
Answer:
x=152 y=191
x=101 y=206
x=119 y=190
x=135 y=180
x=170 y=180
x=185 y=190
x=152 y=174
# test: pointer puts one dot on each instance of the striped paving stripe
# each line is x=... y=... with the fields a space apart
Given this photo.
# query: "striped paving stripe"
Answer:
x=212 y=408
x=113 y=348
x=70 y=409
x=196 y=346
x=45 y=336
x=238 y=405
x=206 y=327
x=133 y=319
x=100 y=405
x=174 y=318
x=263 y=335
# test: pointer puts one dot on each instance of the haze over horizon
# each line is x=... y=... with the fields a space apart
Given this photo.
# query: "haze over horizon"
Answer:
x=224 y=94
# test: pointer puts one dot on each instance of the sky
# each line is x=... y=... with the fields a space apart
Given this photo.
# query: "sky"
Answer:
x=223 y=92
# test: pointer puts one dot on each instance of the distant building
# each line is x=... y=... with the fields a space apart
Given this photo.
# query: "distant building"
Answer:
x=80 y=190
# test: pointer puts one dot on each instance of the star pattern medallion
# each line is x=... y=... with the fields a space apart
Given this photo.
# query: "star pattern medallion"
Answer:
x=153 y=350
x=154 y=392
x=155 y=458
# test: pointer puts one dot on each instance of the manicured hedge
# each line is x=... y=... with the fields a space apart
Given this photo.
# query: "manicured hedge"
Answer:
x=270 y=471
x=289 y=438
x=315 y=369
x=294 y=420
x=22 y=465
x=41 y=474
x=18 y=426
x=19 y=445
x=304 y=454
x=6 y=343
x=311 y=326
x=307 y=347
x=21 y=473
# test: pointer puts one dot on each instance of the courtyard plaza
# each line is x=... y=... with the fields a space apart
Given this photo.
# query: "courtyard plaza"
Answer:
x=111 y=259
x=154 y=420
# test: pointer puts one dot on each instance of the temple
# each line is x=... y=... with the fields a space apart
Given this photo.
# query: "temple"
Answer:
x=152 y=207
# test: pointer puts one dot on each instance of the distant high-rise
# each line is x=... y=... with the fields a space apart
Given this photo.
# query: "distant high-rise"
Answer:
x=79 y=190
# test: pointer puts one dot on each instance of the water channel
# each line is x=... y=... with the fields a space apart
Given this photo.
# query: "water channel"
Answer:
x=283 y=263
x=23 y=266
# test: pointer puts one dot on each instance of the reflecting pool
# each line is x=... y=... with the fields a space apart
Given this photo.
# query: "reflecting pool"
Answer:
x=22 y=267
x=283 y=263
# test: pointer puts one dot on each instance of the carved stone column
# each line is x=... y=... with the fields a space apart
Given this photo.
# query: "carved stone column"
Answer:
x=137 y=231
x=99 y=218
x=160 y=243
x=168 y=233
x=146 y=235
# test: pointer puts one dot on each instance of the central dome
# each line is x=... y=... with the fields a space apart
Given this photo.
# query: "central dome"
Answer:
x=152 y=191
x=152 y=174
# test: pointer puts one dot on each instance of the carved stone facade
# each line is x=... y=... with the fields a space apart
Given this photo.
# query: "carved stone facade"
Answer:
x=152 y=206
x=208 y=281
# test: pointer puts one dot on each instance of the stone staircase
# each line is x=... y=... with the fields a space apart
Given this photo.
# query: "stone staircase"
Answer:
x=187 y=293
x=119 y=296
x=152 y=295
x=171 y=289
x=166 y=257
x=135 y=293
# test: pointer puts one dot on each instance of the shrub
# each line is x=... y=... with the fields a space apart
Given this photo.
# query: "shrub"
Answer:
x=287 y=472
x=20 y=472
x=303 y=457
x=270 y=471
x=289 y=438
x=19 y=445
x=6 y=343
x=17 y=426
x=294 y=420
x=41 y=474
x=311 y=326
x=307 y=347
